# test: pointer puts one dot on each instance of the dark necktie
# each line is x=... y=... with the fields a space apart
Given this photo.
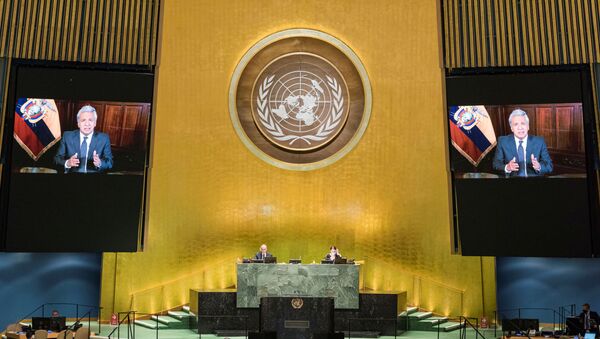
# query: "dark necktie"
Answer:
x=83 y=155
x=521 y=155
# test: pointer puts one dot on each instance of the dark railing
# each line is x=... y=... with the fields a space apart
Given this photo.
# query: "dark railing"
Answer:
x=45 y=306
x=465 y=324
x=130 y=317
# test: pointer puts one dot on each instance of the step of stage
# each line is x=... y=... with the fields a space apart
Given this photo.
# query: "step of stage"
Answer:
x=420 y=315
x=409 y=310
x=450 y=326
x=181 y=315
x=151 y=324
x=172 y=322
x=186 y=308
x=427 y=324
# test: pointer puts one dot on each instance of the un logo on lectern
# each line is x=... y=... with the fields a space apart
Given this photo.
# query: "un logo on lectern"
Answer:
x=300 y=99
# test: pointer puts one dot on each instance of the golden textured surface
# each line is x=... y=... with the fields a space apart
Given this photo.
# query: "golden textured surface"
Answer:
x=525 y=33
x=212 y=201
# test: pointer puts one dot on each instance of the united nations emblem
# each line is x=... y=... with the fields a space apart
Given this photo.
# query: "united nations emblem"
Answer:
x=297 y=303
x=300 y=99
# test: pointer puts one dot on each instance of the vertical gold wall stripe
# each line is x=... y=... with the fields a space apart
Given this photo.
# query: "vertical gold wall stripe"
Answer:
x=72 y=30
x=543 y=33
x=55 y=36
x=102 y=32
x=30 y=29
x=470 y=46
x=53 y=27
x=154 y=35
x=536 y=37
x=112 y=35
x=490 y=36
x=484 y=34
x=35 y=40
x=118 y=25
x=465 y=37
x=77 y=30
x=583 y=32
x=4 y=24
x=588 y=41
x=64 y=27
x=549 y=32
x=124 y=14
x=145 y=43
x=528 y=32
x=84 y=35
x=141 y=32
x=477 y=33
x=19 y=29
x=43 y=30
x=578 y=39
x=135 y=30
x=457 y=25
x=509 y=33
x=571 y=31
x=562 y=32
x=445 y=14
x=595 y=30
x=98 y=31
x=516 y=33
x=500 y=33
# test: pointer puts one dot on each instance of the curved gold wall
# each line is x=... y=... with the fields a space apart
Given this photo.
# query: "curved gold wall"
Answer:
x=211 y=201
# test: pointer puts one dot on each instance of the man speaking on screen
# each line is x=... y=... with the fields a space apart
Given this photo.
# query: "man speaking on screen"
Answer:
x=521 y=154
x=84 y=150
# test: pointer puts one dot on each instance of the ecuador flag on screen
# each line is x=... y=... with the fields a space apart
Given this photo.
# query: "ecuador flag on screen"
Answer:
x=471 y=132
x=37 y=125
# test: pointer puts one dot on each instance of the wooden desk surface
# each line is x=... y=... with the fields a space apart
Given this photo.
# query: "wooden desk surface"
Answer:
x=20 y=335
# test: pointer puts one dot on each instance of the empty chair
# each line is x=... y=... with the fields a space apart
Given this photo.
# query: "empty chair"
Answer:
x=41 y=334
x=14 y=328
x=82 y=333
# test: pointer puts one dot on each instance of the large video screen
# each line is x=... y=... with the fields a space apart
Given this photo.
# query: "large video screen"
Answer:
x=76 y=158
x=521 y=153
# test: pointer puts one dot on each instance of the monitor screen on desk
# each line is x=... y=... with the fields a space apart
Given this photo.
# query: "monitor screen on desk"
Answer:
x=270 y=260
x=49 y=323
x=326 y=261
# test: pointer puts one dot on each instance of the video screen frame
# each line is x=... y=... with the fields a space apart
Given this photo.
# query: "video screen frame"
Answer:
x=66 y=80
x=520 y=86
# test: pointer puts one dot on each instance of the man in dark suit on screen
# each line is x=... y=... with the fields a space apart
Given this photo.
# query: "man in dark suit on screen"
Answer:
x=83 y=150
x=520 y=154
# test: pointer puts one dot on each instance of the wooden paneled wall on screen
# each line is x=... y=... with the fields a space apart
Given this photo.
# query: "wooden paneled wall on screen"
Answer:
x=126 y=124
x=561 y=126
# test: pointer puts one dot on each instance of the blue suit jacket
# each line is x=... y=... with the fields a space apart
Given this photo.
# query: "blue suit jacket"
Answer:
x=69 y=145
x=506 y=149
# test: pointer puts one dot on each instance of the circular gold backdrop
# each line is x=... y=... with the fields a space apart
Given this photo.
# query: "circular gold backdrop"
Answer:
x=300 y=99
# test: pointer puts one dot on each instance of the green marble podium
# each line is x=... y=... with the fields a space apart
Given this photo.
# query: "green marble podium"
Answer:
x=255 y=281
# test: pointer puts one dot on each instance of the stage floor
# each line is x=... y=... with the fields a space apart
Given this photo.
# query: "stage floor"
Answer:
x=145 y=333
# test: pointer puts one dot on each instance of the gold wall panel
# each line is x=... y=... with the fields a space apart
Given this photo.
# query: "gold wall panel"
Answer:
x=211 y=200
x=492 y=33
x=104 y=31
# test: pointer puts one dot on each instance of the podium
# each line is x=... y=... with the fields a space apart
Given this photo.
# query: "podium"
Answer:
x=297 y=317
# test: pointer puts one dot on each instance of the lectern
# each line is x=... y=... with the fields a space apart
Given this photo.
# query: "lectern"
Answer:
x=297 y=317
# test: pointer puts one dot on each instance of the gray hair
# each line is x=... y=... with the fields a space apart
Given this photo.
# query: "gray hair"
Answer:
x=518 y=113
x=87 y=109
